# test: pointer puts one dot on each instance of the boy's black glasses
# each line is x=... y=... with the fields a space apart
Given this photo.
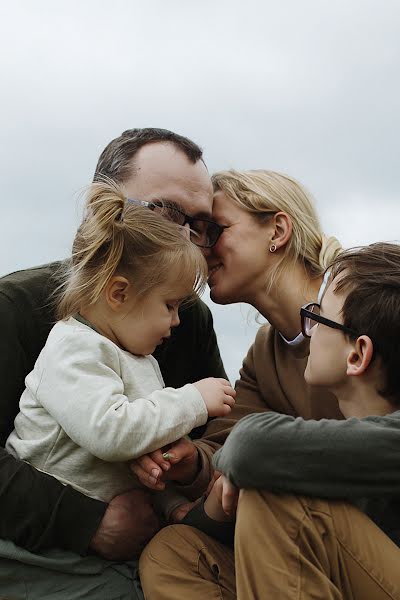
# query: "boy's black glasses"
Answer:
x=203 y=232
x=310 y=317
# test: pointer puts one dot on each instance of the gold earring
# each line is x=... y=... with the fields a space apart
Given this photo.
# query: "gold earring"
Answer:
x=272 y=248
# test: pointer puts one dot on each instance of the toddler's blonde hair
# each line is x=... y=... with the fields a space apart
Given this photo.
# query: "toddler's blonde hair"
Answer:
x=119 y=237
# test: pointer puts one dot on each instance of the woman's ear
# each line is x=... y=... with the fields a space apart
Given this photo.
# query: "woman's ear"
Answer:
x=116 y=292
x=360 y=356
x=283 y=230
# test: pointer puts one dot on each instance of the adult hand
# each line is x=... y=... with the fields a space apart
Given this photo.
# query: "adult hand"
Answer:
x=181 y=465
x=127 y=525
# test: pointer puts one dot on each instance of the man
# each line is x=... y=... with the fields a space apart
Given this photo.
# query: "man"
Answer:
x=37 y=511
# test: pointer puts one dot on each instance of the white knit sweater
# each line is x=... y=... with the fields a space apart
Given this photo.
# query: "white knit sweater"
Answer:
x=89 y=407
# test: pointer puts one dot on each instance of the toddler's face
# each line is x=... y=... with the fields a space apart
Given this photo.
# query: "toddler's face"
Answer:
x=146 y=323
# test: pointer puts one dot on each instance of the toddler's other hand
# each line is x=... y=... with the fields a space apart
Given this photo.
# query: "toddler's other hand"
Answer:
x=218 y=395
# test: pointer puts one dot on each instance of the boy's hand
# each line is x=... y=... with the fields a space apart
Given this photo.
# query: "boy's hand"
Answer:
x=218 y=395
x=222 y=499
x=177 y=462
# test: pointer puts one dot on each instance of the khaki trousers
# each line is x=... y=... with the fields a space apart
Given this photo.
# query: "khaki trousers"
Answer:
x=286 y=547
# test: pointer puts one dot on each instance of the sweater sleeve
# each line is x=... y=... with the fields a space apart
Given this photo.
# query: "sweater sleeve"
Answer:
x=92 y=408
x=326 y=458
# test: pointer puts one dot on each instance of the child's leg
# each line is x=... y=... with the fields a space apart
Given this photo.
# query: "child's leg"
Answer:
x=289 y=547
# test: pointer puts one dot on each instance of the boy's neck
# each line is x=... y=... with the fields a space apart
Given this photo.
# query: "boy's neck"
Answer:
x=362 y=400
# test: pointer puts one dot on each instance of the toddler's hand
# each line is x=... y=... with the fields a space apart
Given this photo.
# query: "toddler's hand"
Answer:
x=218 y=395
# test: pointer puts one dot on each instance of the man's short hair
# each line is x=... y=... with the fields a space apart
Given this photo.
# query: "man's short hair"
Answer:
x=115 y=161
x=370 y=276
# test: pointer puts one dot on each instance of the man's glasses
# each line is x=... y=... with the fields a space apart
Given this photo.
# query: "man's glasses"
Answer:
x=310 y=317
x=203 y=232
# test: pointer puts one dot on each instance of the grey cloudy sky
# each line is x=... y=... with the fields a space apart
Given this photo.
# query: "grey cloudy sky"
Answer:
x=310 y=88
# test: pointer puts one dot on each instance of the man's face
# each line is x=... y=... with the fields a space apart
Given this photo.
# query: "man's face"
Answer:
x=163 y=172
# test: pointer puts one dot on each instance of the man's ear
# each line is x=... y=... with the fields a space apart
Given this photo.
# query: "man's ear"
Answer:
x=283 y=229
x=116 y=292
x=360 y=356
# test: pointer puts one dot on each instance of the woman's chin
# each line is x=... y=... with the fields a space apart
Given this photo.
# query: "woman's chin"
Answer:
x=219 y=297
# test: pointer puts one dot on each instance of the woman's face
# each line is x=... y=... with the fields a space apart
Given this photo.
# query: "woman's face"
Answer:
x=238 y=263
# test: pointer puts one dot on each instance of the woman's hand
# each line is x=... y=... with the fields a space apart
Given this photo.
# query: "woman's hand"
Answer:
x=177 y=462
x=222 y=499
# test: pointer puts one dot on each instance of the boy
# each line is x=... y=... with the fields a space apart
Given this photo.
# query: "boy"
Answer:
x=354 y=347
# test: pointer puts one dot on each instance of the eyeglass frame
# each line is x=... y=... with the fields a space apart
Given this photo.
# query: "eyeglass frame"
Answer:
x=305 y=313
x=187 y=218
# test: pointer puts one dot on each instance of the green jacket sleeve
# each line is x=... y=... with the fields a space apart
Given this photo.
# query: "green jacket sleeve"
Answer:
x=327 y=458
x=37 y=510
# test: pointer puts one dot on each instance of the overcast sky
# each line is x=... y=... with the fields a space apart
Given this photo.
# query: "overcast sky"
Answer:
x=308 y=87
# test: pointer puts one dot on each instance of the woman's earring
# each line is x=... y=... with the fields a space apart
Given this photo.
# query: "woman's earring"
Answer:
x=272 y=248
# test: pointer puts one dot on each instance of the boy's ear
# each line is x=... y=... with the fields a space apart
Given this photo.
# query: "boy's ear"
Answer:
x=116 y=292
x=283 y=229
x=360 y=356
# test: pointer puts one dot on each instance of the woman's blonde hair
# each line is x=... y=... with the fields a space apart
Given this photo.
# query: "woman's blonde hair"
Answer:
x=118 y=236
x=263 y=193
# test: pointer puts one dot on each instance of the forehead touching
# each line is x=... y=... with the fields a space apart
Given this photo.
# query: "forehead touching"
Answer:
x=224 y=206
x=162 y=171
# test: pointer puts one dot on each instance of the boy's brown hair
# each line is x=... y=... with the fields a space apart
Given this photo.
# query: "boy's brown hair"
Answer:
x=370 y=276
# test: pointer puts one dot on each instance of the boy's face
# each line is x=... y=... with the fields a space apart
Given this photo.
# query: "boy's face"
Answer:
x=329 y=348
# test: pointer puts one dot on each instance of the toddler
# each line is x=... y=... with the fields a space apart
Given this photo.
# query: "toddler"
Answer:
x=96 y=398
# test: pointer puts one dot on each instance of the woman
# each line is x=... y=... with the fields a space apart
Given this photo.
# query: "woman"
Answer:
x=272 y=255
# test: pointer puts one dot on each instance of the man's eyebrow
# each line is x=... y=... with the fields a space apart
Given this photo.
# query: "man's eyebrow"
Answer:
x=199 y=215
x=167 y=202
